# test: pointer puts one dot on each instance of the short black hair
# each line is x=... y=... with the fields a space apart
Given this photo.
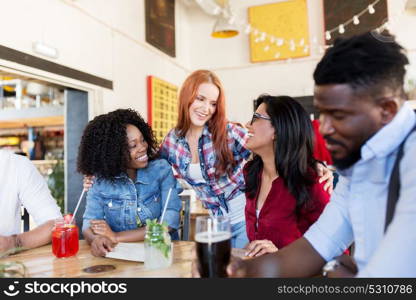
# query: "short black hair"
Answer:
x=103 y=151
x=365 y=62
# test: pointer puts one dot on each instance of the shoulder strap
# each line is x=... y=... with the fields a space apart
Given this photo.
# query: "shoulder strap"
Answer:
x=394 y=184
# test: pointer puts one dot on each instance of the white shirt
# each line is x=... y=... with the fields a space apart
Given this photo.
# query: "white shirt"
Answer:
x=357 y=209
x=22 y=184
x=235 y=206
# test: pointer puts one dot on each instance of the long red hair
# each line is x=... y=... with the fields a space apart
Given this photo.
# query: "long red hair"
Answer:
x=217 y=125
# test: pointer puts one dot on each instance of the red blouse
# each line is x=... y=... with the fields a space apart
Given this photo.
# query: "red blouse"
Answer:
x=278 y=221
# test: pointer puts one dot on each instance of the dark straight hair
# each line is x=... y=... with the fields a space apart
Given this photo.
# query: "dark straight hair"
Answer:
x=293 y=158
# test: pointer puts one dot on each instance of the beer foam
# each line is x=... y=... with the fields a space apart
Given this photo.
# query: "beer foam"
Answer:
x=214 y=237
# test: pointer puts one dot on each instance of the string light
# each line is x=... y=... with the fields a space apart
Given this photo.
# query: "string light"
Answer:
x=271 y=40
x=328 y=35
x=371 y=9
x=355 y=20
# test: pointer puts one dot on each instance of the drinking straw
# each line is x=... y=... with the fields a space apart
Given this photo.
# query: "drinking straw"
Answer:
x=166 y=205
x=76 y=208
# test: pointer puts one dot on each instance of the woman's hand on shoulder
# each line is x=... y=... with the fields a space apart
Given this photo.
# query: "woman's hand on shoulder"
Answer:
x=260 y=247
x=325 y=175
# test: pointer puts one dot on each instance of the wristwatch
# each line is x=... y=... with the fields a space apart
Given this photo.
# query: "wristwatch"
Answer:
x=330 y=266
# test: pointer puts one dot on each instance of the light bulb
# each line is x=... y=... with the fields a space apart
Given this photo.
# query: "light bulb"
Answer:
x=341 y=29
x=277 y=55
x=279 y=42
x=305 y=50
x=263 y=36
x=247 y=30
x=371 y=9
x=302 y=42
x=255 y=32
x=327 y=35
x=267 y=48
x=355 y=20
x=272 y=39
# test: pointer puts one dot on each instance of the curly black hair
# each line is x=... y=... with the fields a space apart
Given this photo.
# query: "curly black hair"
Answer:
x=103 y=151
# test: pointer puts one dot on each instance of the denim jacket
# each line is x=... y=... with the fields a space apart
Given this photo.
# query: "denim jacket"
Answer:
x=125 y=205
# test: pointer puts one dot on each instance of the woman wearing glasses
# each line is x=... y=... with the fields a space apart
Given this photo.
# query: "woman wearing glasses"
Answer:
x=284 y=196
x=209 y=152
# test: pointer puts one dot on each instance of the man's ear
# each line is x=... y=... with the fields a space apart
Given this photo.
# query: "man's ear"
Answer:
x=389 y=108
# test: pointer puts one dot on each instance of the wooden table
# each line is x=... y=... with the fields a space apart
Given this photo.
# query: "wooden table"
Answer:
x=40 y=262
x=196 y=210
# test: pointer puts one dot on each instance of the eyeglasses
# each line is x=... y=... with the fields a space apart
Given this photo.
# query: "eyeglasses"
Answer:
x=259 y=116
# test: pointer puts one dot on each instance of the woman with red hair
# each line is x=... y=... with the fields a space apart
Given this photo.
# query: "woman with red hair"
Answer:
x=208 y=152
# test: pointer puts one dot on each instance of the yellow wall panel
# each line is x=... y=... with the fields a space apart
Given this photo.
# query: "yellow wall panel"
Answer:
x=287 y=20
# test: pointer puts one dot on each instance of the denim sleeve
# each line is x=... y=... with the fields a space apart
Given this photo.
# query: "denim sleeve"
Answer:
x=94 y=208
x=168 y=181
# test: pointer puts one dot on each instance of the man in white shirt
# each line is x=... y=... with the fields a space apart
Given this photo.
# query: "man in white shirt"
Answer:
x=22 y=184
x=364 y=120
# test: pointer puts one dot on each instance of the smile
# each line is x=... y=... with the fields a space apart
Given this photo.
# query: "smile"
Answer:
x=201 y=115
x=142 y=158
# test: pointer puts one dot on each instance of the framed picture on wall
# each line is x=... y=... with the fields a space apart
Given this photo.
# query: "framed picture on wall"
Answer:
x=160 y=25
x=162 y=106
x=337 y=12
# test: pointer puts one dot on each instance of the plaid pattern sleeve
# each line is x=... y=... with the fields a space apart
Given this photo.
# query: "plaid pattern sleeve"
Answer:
x=239 y=137
x=214 y=192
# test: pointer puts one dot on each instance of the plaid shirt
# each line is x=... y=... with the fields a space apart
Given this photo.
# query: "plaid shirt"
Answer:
x=214 y=192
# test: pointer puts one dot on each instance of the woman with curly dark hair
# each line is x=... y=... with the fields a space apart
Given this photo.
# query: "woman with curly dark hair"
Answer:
x=131 y=184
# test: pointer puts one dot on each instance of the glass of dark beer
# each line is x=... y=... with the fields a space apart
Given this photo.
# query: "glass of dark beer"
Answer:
x=213 y=245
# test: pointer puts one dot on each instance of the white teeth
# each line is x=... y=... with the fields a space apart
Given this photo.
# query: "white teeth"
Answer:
x=250 y=134
x=201 y=115
x=142 y=158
